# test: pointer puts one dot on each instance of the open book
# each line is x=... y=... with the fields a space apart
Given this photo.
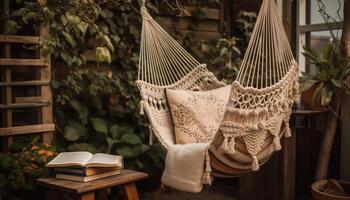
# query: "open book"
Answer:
x=85 y=159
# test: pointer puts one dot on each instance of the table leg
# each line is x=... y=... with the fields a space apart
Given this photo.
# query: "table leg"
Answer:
x=87 y=196
x=52 y=195
x=102 y=194
x=130 y=191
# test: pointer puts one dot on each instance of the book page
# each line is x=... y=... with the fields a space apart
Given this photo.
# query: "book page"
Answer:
x=105 y=160
x=79 y=158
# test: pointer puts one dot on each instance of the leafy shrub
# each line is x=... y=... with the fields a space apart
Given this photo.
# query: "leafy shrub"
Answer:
x=26 y=163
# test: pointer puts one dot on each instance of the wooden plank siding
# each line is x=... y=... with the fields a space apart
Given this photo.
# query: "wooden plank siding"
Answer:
x=206 y=28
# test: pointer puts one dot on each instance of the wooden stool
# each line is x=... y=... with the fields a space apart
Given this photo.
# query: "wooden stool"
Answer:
x=86 y=191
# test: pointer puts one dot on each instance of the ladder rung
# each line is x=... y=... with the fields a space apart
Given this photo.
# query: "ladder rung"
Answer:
x=22 y=105
x=18 y=130
x=24 y=83
x=32 y=99
x=19 y=39
x=22 y=62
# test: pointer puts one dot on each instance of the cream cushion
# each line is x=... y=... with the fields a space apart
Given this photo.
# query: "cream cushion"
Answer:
x=197 y=114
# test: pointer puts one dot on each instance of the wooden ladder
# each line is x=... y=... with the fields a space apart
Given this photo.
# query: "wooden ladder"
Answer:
x=43 y=102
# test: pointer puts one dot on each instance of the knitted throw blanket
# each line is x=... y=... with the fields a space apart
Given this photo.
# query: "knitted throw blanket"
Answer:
x=187 y=167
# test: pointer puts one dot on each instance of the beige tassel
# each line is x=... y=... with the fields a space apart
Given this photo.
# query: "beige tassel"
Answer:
x=277 y=143
x=231 y=146
x=287 y=131
x=224 y=145
x=206 y=174
x=150 y=135
x=255 y=164
x=142 y=108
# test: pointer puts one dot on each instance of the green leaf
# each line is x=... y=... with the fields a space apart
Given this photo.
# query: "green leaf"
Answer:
x=108 y=43
x=69 y=39
x=327 y=95
x=307 y=84
x=72 y=19
x=100 y=125
x=48 y=13
x=82 y=27
x=337 y=83
x=103 y=55
x=11 y=27
x=30 y=16
x=126 y=152
x=114 y=131
x=132 y=139
x=74 y=131
x=311 y=53
x=327 y=51
x=19 y=12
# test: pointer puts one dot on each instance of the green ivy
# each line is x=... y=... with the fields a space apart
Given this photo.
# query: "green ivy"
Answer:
x=96 y=107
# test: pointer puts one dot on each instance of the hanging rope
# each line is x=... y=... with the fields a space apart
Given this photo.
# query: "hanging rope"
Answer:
x=162 y=60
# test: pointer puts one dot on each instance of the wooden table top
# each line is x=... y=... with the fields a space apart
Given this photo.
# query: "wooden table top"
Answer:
x=126 y=176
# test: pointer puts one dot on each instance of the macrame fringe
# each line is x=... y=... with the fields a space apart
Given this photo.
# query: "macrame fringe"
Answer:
x=142 y=107
x=150 y=142
x=277 y=143
x=207 y=172
x=255 y=164
x=231 y=146
x=224 y=145
x=287 y=131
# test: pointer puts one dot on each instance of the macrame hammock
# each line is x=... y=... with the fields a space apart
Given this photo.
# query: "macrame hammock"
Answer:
x=261 y=98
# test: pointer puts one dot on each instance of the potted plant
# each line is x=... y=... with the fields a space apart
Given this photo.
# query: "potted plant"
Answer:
x=330 y=81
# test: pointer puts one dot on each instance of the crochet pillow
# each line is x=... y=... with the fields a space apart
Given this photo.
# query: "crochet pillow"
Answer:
x=197 y=114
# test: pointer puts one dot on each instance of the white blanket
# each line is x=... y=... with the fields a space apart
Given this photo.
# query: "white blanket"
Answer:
x=187 y=167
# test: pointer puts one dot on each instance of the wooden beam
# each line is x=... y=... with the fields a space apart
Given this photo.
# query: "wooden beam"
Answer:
x=22 y=62
x=7 y=92
x=187 y=23
x=23 y=105
x=19 y=39
x=46 y=92
x=24 y=83
x=319 y=27
x=209 y=13
x=345 y=109
x=18 y=130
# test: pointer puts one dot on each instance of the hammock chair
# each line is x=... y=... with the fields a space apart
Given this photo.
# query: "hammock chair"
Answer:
x=261 y=98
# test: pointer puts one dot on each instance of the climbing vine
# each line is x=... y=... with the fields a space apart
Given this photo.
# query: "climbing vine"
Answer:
x=96 y=105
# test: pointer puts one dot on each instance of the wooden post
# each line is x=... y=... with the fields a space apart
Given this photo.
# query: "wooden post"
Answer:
x=46 y=114
x=7 y=93
x=345 y=137
x=46 y=93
